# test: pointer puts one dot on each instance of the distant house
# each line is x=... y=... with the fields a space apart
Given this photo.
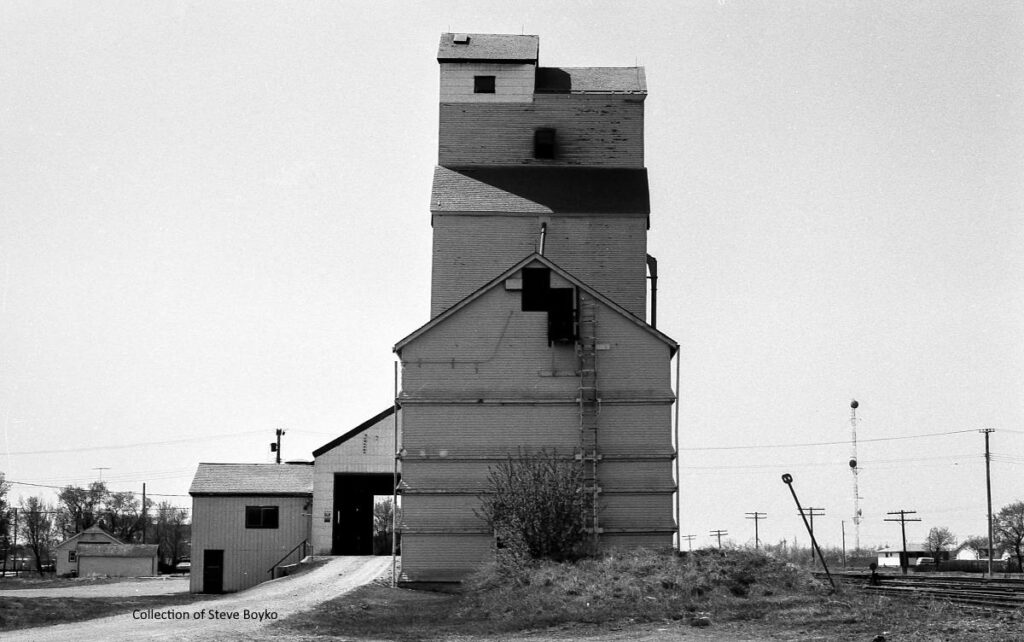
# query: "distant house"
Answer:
x=890 y=556
x=348 y=472
x=118 y=560
x=248 y=519
x=968 y=552
x=94 y=551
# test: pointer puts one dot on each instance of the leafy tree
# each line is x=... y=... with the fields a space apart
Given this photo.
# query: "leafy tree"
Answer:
x=36 y=525
x=172 y=533
x=1009 y=529
x=537 y=507
x=939 y=539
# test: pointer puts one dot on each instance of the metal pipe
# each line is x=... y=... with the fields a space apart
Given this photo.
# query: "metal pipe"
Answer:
x=394 y=493
x=543 y=234
x=679 y=465
x=652 y=266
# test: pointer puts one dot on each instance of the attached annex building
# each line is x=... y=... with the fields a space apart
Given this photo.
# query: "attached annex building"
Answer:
x=538 y=337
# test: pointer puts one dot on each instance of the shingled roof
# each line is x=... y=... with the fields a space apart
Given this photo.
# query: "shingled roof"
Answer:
x=253 y=479
x=490 y=47
x=541 y=190
x=591 y=80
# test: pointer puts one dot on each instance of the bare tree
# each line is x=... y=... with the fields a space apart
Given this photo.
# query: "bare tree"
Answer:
x=80 y=508
x=37 y=528
x=123 y=513
x=384 y=519
x=939 y=540
x=5 y=521
x=1009 y=527
x=537 y=506
x=172 y=533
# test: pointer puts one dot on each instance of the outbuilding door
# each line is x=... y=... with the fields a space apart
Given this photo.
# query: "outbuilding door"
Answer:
x=352 y=522
x=213 y=571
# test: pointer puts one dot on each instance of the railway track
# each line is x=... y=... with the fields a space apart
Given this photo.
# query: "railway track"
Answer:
x=1002 y=594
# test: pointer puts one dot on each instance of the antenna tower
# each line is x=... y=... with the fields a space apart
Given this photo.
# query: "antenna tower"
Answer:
x=854 y=470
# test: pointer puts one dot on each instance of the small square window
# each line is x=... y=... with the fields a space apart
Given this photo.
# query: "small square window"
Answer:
x=483 y=84
x=72 y=556
x=544 y=143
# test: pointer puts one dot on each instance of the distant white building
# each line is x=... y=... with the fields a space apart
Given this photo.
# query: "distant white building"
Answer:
x=94 y=551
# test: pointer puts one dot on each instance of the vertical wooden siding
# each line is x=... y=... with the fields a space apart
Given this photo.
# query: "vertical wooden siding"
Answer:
x=219 y=523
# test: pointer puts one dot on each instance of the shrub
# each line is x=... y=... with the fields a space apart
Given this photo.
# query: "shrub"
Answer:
x=537 y=508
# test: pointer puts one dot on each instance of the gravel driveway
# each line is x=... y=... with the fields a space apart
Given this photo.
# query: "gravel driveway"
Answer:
x=234 y=616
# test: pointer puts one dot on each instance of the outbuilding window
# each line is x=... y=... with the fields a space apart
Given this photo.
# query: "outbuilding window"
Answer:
x=72 y=556
x=261 y=516
x=483 y=84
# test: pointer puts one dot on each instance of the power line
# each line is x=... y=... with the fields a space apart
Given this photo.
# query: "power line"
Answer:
x=17 y=483
x=168 y=442
x=827 y=443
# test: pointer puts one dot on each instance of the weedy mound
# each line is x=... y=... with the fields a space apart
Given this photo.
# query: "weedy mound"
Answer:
x=639 y=585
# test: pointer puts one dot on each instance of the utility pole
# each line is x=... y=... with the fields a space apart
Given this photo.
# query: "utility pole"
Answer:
x=811 y=512
x=903 y=519
x=15 y=546
x=144 y=514
x=756 y=516
x=988 y=490
x=276 y=447
x=843 y=525
x=718 y=534
x=101 y=469
x=689 y=540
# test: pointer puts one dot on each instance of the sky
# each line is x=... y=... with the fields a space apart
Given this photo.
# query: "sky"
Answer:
x=214 y=223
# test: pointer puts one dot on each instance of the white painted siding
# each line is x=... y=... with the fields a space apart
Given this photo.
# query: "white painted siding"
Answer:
x=372 y=451
x=219 y=523
x=117 y=566
x=512 y=82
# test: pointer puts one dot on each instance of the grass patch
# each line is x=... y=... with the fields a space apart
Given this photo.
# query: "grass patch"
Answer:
x=746 y=595
x=26 y=612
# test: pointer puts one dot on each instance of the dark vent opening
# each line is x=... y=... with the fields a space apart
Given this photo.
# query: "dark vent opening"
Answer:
x=559 y=303
x=561 y=317
x=544 y=143
x=483 y=84
x=536 y=285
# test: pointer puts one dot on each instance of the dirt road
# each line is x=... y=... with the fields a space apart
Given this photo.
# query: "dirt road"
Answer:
x=235 y=616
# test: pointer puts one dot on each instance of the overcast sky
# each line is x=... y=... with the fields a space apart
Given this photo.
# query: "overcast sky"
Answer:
x=214 y=222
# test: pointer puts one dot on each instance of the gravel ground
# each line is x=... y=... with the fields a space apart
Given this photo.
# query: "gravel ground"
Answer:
x=138 y=586
x=238 y=616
